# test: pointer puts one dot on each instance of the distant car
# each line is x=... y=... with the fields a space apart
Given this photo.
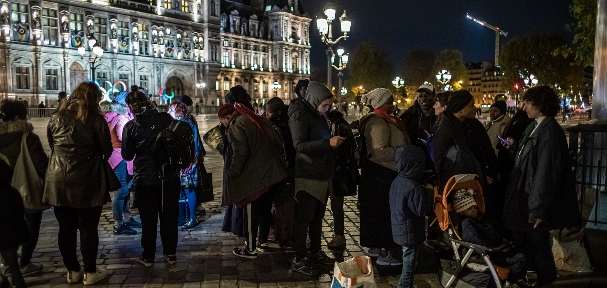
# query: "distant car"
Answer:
x=582 y=110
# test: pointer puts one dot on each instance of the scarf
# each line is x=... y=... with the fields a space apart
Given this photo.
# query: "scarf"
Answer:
x=394 y=120
x=256 y=119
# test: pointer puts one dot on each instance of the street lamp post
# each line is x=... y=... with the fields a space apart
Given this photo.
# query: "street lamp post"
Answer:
x=530 y=81
x=326 y=34
x=201 y=86
x=343 y=62
x=443 y=77
x=398 y=82
x=94 y=57
x=276 y=86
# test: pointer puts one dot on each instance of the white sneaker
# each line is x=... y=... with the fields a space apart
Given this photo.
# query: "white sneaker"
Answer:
x=92 y=278
x=74 y=276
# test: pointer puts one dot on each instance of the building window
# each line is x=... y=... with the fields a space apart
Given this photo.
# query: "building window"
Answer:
x=295 y=63
x=101 y=77
x=101 y=31
x=124 y=76
x=226 y=43
x=226 y=85
x=245 y=63
x=144 y=39
x=50 y=27
x=122 y=31
x=22 y=79
x=143 y=81
x=214 y=53
x=19 y=13
x=226 y=59
x=216 y=85
x=184 y=6
x=76 y=22
x=168 y=4
x=51 y=79
x=123 y=28
x=213 y=8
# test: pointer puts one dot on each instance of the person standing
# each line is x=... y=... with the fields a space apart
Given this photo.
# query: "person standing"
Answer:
x=499 y=119
x=61 y=97
x=41 y=107
x=420 y=116
x=541 y=195
x=314 y=169
x=301 y=89
x=80 y=141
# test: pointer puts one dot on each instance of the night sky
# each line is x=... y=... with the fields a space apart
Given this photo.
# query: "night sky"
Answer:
x=403 y=25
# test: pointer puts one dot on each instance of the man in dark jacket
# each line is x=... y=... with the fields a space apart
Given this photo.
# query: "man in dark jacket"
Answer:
x=409 y=204
x=314 y=169
x=420 y=116
x=157 y=194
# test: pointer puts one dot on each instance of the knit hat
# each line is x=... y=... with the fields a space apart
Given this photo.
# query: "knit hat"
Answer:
x=500 y=105
x=239 y=95
x=120 y=98
x=301 y=83
x=458 y=100
x=463 y=200
x=426 y=87
x=378 y=97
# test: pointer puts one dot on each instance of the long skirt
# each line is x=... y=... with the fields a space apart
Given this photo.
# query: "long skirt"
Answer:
x=374 y=205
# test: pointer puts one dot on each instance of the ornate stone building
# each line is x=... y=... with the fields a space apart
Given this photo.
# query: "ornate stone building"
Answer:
x=165 y=46
x=484 y=82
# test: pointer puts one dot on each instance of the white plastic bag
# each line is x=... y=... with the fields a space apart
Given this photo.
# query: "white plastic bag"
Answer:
x=356 y=272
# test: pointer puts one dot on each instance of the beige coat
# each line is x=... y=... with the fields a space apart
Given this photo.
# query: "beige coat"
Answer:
x=382 y=138
x=495 y=128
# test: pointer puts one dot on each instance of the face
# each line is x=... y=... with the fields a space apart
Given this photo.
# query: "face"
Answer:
x=272 y=115
x=324 y=106
x=425 y=100
x=494 y=113
x=303 y=90
x=532 y=111
x=469 y=111
x=471 y=212
x=171 y=111
x=439 y=109
x=389 y=105
x=225 y=121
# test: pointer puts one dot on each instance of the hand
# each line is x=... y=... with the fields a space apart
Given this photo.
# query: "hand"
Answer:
x=537 y=222
x=508 y=144
x=336 y=141
x=489 y=180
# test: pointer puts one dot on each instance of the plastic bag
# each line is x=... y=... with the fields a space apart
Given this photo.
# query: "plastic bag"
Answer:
x=354 y=272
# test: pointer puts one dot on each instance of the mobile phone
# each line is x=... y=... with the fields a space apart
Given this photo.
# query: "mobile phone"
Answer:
x=502 y=139
x=423 y=141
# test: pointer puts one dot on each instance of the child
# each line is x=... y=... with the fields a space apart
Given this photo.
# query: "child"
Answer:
x=478 y=230
x=13 y=228
x=409 y=204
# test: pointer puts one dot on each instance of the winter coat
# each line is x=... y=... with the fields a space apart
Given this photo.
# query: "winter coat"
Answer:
x=282 y=127
x=11 y=134
x=190 y=175
x=412 y=118
x=311 y=134
x=116 y=123
x=496 y=128
x=346 y=173
x=382 y=138
x=409 y=201
x=13 y=228
x=542 y=185
x=256 y=163
x=139 y=139
x=74 y=177
x=480 y=231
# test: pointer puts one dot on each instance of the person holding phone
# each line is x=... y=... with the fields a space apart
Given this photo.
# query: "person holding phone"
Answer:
x=499 y=118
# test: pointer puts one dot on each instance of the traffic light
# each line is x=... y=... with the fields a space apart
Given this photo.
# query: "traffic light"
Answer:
x=516 y=86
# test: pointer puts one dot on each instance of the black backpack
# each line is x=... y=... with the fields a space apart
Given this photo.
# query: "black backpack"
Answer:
x=174 y=148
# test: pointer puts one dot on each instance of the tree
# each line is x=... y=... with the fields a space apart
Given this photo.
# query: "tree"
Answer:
x=584 y=27
x=369 y=67
x=451 y=60
x=533 y=54
x=418 y=65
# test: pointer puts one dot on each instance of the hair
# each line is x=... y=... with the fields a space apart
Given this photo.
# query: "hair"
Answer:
x=275 y=104
x=62 y=95
x=11 y=108
x=544 y=98
x=105 y=106
x=181 y=109
x=120 y=109
x=87 y=96
x=443 y=97
x=137 y=100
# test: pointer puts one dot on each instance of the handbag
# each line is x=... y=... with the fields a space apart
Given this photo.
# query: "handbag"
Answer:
x=345 y=181
x=205 y=185
x=354 y=272
x=27 y=181
x=214 y=139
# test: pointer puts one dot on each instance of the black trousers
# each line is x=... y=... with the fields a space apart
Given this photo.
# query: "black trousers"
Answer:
x=158 y=201
x=539 y=252
x=259 y=220
x=70 y=221
x=310 y=212
x=337 y=207
x=33 y=220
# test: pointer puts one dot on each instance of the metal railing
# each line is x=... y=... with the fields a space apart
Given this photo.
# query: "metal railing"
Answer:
x=40 y=112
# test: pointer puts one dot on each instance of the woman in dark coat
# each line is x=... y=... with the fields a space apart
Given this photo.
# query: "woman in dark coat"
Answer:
x=541 y=195
x=80 y=141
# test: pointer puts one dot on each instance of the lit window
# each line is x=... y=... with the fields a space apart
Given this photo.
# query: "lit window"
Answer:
x=50 y=27
x=22 y=79
x=51 y=79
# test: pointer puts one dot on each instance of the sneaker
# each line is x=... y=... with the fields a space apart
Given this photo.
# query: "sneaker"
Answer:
x=525 y=283
x=373 y=252
x=304 y=267
x=321 y=258
x=261 y=247
x=132 y=223
x=245 y=253
x=74 y=276
x=171 y=259
x=389 y=260
x=338 y=240
x=190 y=224
x=509 y=284
x=124 y=230
x=146 y=262
x=31 y=268
x=92 y=278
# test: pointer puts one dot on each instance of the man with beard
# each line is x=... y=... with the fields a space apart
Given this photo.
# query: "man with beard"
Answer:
x=420 y=117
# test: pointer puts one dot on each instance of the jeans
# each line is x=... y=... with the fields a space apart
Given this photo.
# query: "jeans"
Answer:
x=120 y=203
x=190 y=194
x=410 y=257
x=70 y=221
x=33 y=225
x=158 y=201
x=310 y=212
x=10 y=271
x=539 y=252
x=337 y=207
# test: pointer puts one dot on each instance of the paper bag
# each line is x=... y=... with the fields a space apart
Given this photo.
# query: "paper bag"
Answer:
x=355 y=272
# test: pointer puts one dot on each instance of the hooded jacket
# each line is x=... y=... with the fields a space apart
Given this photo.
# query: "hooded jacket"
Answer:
x=311 y=134
x=116 y=123
x=409 y=201
x=11 y=134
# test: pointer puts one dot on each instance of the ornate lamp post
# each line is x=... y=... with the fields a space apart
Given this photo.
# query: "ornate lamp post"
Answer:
x=443 y=77
x=95 y=54
x=530 y=81
x=276 y=86
x=343 y=62
x=326 y=34
x=201 y=86
x=398 y=82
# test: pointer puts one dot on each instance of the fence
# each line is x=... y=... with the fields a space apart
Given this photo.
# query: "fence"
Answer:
x=40 y=112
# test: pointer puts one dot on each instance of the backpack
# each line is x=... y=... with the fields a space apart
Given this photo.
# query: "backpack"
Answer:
x=360 y=152
x=174 y=148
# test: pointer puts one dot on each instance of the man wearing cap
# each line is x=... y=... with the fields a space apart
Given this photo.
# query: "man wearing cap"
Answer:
x=499 y=119
x=420 y=117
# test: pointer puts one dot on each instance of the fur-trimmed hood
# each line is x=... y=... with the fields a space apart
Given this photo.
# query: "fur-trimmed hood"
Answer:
x=13 y=130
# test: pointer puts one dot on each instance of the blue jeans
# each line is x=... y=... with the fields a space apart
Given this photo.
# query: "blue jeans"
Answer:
x=410 y=255
x=120 y=203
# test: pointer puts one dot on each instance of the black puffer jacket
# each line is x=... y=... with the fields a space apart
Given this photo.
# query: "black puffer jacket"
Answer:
x=138 y=139
x=13 y=228
x=311 y=134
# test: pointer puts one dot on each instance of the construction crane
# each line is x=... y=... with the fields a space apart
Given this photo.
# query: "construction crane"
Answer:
x=498 y=32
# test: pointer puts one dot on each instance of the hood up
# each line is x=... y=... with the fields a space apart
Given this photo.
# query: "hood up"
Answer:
x=317 y=93
x=410 y=162
x=13 y=130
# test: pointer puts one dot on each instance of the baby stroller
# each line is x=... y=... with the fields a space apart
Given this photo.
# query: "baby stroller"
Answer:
x=460 y=271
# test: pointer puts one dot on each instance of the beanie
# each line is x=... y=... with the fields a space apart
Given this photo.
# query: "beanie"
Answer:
x=185 y=99
x=378 y=97
x=301 y=83
x=463 y=200
x=501 y=105
x=458 y=100
x=238 y=94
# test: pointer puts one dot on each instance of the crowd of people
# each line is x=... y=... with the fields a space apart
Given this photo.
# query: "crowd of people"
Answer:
x=280 y=170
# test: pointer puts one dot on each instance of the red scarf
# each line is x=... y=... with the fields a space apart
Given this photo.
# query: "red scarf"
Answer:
x=394 y=120
x=256 y=119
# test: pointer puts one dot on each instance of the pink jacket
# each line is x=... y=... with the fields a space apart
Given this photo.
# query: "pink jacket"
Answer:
x=116 y=123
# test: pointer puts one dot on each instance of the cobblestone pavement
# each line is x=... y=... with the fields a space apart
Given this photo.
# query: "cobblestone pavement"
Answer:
x=204 y=253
